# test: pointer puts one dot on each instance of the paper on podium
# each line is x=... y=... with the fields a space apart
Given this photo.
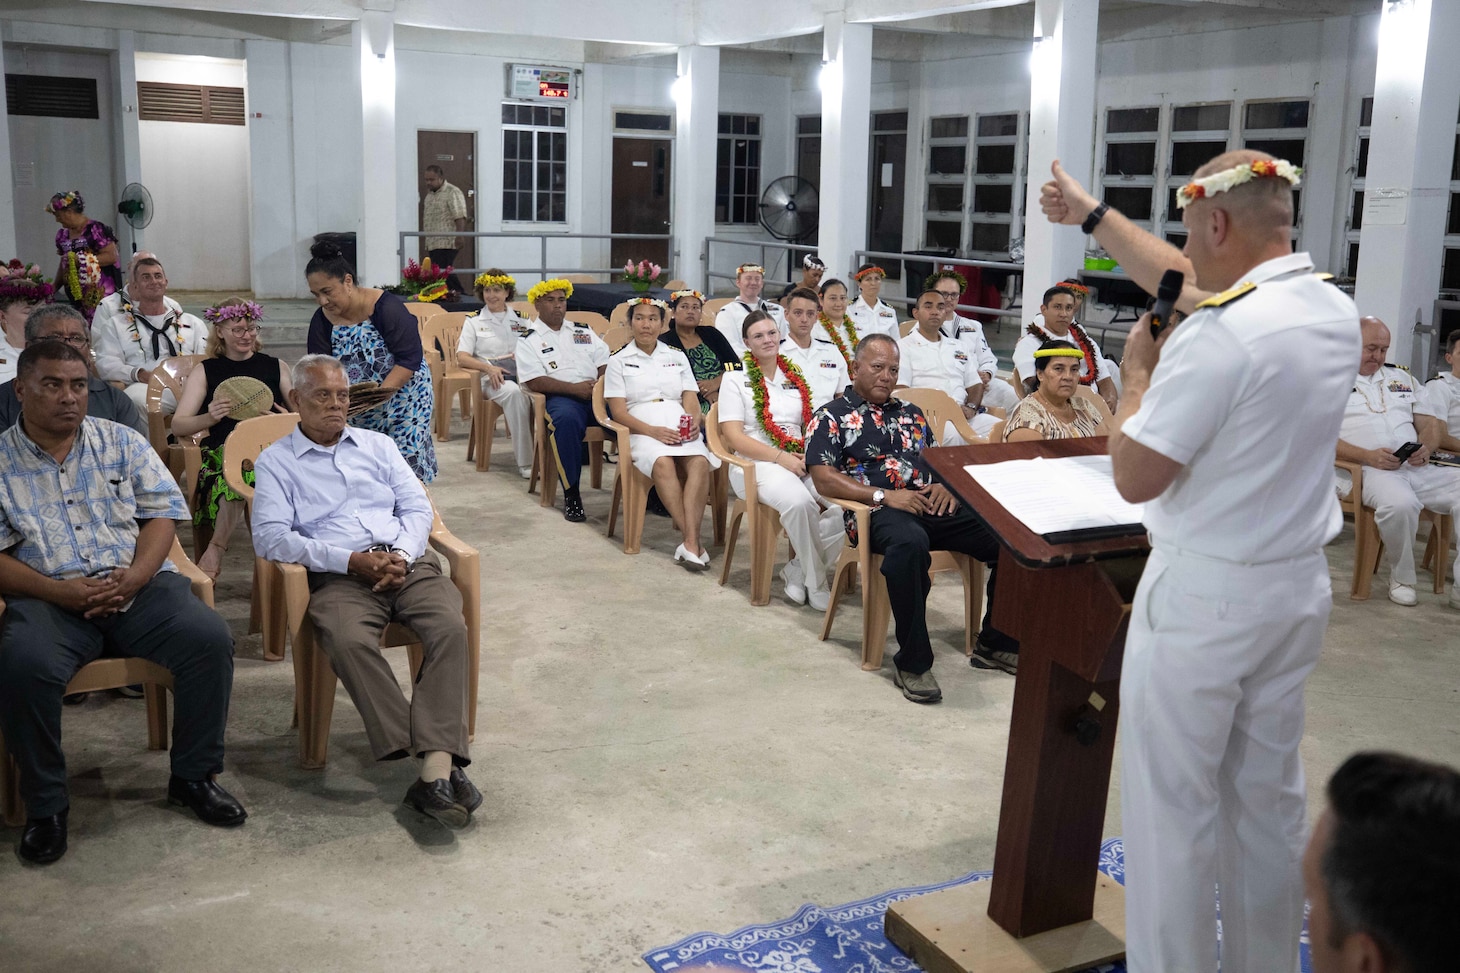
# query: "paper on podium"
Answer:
x=1064 y=495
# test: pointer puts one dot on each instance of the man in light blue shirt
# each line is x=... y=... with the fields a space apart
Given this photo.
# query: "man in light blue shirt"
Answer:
x=343 y=502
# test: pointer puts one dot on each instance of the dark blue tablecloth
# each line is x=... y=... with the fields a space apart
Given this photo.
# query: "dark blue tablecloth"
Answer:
x=603 y=298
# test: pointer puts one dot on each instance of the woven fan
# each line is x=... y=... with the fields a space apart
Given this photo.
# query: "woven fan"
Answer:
x=365 y=396
x=249 y=396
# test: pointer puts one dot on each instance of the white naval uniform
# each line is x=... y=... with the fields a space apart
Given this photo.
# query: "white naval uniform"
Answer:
x=1443 y=395
x=652 y=387
x=119 y=356
x=816 y=534
x=489 y=337
x=733 y=315
x=946 y=365
x=820 y=332
x=1228 y=621
x=881 y=319
x=1029 y=344
x=573 y=353
x=823 y=366
x=997 y=393
x=9 y=359
x=1380 y=415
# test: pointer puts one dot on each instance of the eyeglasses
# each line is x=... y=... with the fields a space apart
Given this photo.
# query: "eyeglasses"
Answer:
x=70 y=339
x=242 y=329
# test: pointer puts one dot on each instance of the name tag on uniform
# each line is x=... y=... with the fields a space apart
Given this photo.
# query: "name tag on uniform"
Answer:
x=629 y=364
x=789 y=386
x=546 y=351
x=961 y=356
x=582 y=339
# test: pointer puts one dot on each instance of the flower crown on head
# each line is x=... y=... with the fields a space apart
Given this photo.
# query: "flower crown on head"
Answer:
x=865 y=272
x=24 y=283
x=60 y=201
x=1076 y=286
x=494 y=280
x=1228 y=179
x=548 y=286
x=811 y=260
x=749 y=269
x=947 y=274
x=678 y=296
x=653 y=301
x=221 y=313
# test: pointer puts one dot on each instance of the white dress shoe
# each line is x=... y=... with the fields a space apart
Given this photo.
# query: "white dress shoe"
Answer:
x=818 y=598
x=794 y=578
x=1402 y=594
x=692 y=562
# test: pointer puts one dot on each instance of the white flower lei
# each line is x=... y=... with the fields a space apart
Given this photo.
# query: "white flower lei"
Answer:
x=1227 y=179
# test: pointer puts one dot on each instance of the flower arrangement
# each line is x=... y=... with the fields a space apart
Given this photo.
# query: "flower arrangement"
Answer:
x=242 y=311
x=82 y=280
x=642 y=275
x=548 y=286
x=422 y=281
x=24 y=283
x=1228 y=179
x=783 y=440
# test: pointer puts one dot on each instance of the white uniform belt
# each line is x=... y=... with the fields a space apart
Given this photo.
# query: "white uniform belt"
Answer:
x=1174 y=553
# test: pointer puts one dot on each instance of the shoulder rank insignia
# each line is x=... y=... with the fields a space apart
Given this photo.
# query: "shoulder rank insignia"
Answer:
x=1390 y=364
x=1230 y=295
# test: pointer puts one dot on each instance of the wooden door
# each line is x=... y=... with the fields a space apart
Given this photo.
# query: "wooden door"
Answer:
x=455 y=153
x=641 y=200
x=887 y=178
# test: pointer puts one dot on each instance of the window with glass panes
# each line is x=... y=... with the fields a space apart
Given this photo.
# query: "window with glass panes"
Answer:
x=993 y=210
x=947 y=182
x=1279 y=128
x=1450 y=269
x=737 y=169
x=1358 y=170
x=534 y=163
x=1128 y=166
x=1198 y=134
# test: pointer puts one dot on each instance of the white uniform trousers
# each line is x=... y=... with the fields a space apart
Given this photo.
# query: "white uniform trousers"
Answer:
x=1212 y=790
x=137 y=392
x=999 y=394
x=983 y=424
x=816 y=534
x=1397 y=497
x=518 y=408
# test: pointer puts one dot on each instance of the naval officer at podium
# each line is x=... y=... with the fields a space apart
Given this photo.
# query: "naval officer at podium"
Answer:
x=1227 y=429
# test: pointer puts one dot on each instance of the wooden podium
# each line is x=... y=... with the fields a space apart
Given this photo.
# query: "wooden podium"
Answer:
x=1048 y=909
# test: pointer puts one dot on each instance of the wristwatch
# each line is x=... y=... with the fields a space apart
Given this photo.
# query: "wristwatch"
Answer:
x=877 y=497
x=1093 y=220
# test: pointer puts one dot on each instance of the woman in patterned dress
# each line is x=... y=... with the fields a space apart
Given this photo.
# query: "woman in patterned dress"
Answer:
x=377 y=339
x=1054 y=410
x=80 y=234
x=710 y=355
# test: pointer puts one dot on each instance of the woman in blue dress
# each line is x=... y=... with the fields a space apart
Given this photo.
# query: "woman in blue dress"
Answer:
x=377 y=339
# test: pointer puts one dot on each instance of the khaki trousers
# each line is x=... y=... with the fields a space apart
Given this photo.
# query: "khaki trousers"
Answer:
x=348 y=618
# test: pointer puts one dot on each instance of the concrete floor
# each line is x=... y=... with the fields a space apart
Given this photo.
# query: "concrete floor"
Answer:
x=658 y=758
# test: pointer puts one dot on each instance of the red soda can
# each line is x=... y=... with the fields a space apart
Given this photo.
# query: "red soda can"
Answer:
x=686 y=427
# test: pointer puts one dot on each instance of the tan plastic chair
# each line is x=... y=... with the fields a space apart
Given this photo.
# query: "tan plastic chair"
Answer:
x=581 y=279
x=314 y=677
x=424 y=309
x=859 y=560
x=906 y=327
x=243 y=445
x=712 y=308
x=763 y=520
x=630 y=487
x=996 y=434
x=939 y=408
x=484 y=416
x=1369 y=546
x=1093 y=397
x=676 y=285
x=545 y=458
x=185 y=458
x=439 y=337
x=112 y=673
x=593 y=319
x=617 y=336
x=619 y=316
x=526 y=310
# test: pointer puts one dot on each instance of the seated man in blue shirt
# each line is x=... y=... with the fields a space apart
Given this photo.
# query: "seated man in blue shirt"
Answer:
x=343 y=502
x=62 y=322
x=86 y=522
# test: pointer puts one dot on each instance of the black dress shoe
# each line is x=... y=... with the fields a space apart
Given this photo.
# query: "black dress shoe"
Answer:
x=44 y=839
x=436 y=799
x=573 y=507
x=211 y=803
x=465 y=791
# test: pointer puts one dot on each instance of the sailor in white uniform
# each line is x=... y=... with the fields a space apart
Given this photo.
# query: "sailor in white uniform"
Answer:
x=1386 y=410
x=750 y=278
x=869 y=312
x=931 y=360
x=1443 y=393
x=488 y=345
x=1058 y=324
x=997 y=393
x=823 y=366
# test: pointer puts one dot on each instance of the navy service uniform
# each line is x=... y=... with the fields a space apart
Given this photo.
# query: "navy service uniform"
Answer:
x=572 y=353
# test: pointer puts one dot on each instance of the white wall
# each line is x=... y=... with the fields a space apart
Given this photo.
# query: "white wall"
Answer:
x=198 y=176
x=50 y=155
x=328 y=174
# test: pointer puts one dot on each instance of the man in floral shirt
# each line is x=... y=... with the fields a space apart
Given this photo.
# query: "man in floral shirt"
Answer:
x=867 y=446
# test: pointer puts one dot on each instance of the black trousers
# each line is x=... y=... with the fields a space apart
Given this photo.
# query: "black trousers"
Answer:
x=906 y=542
x=43 y=646
x=446 y=258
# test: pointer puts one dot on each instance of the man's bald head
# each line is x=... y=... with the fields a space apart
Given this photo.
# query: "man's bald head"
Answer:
x=1376 y=345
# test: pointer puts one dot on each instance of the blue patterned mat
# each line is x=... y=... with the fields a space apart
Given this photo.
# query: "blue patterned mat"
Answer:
x=841 y=939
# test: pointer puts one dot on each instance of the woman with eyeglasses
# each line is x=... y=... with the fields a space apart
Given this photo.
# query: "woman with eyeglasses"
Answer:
x=233 y=351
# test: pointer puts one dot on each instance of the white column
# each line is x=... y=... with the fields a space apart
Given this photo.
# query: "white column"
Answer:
x=274 y=267
x=1061 y=126
x=696 y=122
x=378 y=228
x=1406 y=197
x=7 y=185
x=129 y=137
x=846 y=119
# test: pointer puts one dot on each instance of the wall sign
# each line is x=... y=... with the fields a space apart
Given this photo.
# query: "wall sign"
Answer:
x=534 y=83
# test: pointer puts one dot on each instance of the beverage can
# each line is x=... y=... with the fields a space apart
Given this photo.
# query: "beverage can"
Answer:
x=686 y=427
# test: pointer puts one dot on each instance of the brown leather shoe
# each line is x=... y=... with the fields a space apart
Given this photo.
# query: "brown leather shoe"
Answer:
x=464 y=790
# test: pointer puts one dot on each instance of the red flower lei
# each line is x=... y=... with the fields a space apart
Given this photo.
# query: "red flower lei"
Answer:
x=836 y=338
x=1082 y=341
x=774 y=432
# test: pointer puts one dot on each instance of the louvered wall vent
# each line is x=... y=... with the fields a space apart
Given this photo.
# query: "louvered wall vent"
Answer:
x=160 y=102
x=51 y=97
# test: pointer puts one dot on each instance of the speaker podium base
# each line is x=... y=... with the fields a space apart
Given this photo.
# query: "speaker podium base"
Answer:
x=951 y=932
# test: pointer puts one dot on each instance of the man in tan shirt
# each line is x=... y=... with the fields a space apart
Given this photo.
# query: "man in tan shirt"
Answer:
x=443 y=210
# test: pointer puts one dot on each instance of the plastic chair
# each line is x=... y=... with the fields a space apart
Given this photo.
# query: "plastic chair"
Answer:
x=112 y=673
x=581 y=279
x=619 y=316
x=616 y=337
x=424 y=309
x=243 y=445
x=676 y=285
x=712 y=308
x=185 y=458
x=1093 y=397
x=1369 y=546
x=763 y=520
x=939 y=408
x=996 y=434
x=439 y=337
x=484 y=416
x=526 y=310
x=906 y=327
x=593 y=319
x=545 y=458
x=630 y=487
x=859 y=560
x=314 y=677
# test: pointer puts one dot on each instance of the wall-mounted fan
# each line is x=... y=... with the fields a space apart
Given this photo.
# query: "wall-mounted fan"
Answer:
x=789 y=208
x=135 y=207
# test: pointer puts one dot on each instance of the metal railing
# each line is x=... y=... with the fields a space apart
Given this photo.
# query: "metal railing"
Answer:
x=544 y=267
x=762 y=246
x=861 y=256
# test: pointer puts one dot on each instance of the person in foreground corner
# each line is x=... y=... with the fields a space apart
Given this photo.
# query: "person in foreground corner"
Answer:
x=867 y=446
x=1234 y=462
x=369 y=566
x=87 y=513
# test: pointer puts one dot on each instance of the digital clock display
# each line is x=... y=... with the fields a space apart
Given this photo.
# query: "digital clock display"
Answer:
x=552 y=89
x=533 y=83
